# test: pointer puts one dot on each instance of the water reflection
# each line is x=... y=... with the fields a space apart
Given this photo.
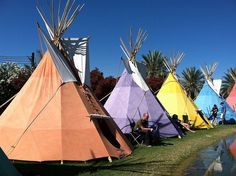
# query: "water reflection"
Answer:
x=218 y=159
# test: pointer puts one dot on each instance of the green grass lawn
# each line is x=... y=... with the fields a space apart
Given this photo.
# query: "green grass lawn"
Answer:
x=169 y=157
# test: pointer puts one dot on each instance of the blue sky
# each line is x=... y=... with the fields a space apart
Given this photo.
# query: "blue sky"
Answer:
x=205 y=30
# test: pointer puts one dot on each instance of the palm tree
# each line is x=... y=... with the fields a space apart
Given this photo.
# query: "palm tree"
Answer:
x=228 y=82
x=192 y=80
x=154 y=63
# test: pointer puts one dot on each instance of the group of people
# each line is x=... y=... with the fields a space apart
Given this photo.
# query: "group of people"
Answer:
x=214 y=113
x=152 y=132
x=182 y=126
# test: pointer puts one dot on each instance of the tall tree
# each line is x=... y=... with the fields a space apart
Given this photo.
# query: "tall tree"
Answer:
x=192 y=80
x=154 y=63
x=228 y=82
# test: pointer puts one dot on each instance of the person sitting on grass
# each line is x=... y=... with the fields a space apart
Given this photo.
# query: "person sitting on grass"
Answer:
x=187 y=126
x=182 y=126
x=142 y=126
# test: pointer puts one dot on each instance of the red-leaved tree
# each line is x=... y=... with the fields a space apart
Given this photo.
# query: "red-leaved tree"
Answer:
x=96 y=76
x=155 y=83
x=101 y=86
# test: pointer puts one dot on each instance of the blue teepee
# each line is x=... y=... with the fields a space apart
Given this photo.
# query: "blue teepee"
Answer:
x=208 y=97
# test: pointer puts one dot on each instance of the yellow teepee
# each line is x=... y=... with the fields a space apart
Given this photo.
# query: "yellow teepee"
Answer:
x=174 y=99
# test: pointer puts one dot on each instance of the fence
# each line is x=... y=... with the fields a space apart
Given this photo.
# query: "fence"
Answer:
x=21 y=60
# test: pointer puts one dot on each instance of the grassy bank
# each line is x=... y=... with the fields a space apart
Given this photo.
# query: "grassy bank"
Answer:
x=167 y=158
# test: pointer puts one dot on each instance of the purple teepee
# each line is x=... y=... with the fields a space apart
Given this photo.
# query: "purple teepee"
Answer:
x=128 y=102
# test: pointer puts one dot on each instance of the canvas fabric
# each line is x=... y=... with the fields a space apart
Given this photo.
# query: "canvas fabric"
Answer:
x=217 y=84
x=77 y=49
x=59 y=61
x=128 y=102
x=206 y=99
x=174 y=99
x=50 y=120
x=231 y=99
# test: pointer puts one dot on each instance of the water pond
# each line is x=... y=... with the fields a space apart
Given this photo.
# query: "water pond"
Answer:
x=218 y=159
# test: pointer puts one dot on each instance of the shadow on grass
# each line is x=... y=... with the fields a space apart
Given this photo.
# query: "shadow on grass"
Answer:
x=161 y=143
x=137 y=163
x=165 y=158
x=72 y=168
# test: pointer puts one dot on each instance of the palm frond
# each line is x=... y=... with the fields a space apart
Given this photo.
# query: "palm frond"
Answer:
x=192 y=80
x=154 y=63
x=232 y=72
x=227 y=82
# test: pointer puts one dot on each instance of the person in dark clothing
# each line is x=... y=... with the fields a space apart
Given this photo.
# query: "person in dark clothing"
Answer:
x=178 y=123
x=142 y=126
x=182 y=126
x=214 y=112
